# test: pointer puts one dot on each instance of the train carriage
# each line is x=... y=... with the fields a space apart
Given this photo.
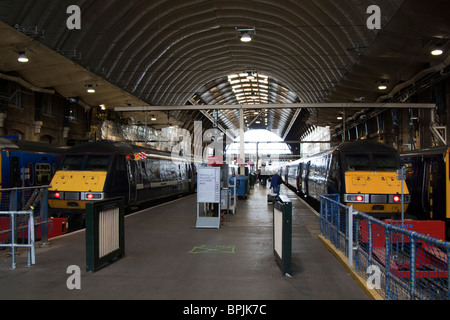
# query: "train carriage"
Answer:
x=362 y=172
x=101 y=170
x=428 y=179
x=27 y=163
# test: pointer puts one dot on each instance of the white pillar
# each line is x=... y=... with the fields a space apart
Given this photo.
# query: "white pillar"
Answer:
x=241 y=140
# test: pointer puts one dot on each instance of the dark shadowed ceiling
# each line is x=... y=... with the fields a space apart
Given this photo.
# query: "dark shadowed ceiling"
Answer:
x=174 y=53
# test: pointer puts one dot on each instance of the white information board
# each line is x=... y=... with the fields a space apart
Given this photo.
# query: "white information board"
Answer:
x=208 y=197
x=278 y=232
x=208 y=184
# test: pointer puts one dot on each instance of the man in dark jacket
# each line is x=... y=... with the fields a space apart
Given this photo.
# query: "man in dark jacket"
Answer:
x=275 y=183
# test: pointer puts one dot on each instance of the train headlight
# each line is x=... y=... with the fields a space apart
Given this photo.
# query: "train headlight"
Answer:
x=396 y=198
x=56 y=195
x=92 y=196
x=364 y=198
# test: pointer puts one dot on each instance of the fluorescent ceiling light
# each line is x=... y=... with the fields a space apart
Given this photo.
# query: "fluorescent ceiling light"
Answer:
x=90 y=88
x=246 y=37
x=437 y=52
x=22 y=57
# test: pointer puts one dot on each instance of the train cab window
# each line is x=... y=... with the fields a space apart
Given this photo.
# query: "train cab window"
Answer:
x=97 y=162
x=43 y=173
x=72 y=162
x=360 y=162
x=385 y=162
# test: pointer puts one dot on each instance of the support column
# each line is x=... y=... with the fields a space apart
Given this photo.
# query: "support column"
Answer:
x=241 y=140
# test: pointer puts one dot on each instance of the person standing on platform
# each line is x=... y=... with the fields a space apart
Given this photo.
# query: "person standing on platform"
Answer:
x=275 y=183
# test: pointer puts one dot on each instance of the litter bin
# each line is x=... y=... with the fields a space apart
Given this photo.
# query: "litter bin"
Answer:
x=252 y=179
x=242 y=186
x=282 y=233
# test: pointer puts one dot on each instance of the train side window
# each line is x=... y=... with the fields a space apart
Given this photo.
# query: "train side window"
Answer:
x=30 y=174
x=15 y=172
x=155 y=172
x=334 y=169
x=144 y=171
x=43 y=173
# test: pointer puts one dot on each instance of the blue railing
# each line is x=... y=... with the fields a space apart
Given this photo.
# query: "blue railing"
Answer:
x=397 y=263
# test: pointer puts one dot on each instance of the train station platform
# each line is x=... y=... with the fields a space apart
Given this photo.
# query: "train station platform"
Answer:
x=168 y=258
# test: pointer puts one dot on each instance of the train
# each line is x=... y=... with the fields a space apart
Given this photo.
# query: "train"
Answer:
x=362 y=172
x=100 y=170
x=27 y=163
x=428 y=179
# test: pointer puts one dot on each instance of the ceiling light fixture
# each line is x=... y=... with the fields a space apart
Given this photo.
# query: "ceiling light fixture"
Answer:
x=90 y=88
x=437 y=52
x=153 y=118
x=382 y=84
x=246 y=35
x=22 y=57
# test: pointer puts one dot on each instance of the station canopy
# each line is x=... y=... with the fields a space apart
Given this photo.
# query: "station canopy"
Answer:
x=167 y=53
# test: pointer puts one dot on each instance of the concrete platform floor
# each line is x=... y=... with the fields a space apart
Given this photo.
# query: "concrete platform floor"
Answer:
x=167 y=258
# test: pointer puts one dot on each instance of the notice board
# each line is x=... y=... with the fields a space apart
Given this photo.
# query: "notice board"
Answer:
x=208 y=197
x=208 y=184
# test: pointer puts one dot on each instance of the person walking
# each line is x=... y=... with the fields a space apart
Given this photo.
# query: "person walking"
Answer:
x=275 y=183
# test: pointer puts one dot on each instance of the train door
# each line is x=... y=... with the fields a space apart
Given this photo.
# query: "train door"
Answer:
x=334 y=181
x=190 y=177
x=15 y=172
x=305 y=174
x=298 y=178
x=429 y=183
x=131 y=168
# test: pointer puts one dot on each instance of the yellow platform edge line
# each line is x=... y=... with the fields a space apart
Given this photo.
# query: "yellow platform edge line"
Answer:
x=372 y=294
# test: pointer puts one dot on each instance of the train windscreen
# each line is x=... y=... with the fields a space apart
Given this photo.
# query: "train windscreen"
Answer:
x=371 y=162
x=357 y=162
x=92 y=162
x=385 y=162
x=97 y=162
x=72 y=162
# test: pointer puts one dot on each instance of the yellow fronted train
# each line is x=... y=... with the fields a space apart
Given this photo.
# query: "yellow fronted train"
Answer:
x=101 y=170
x=362 y=172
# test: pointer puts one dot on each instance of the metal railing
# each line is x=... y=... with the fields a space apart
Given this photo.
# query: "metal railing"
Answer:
x=399 y=264
x=30 y=236
x=18 y=221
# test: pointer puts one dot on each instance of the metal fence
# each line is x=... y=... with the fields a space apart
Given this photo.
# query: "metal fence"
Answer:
x=399 y=264
x=23 y=219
